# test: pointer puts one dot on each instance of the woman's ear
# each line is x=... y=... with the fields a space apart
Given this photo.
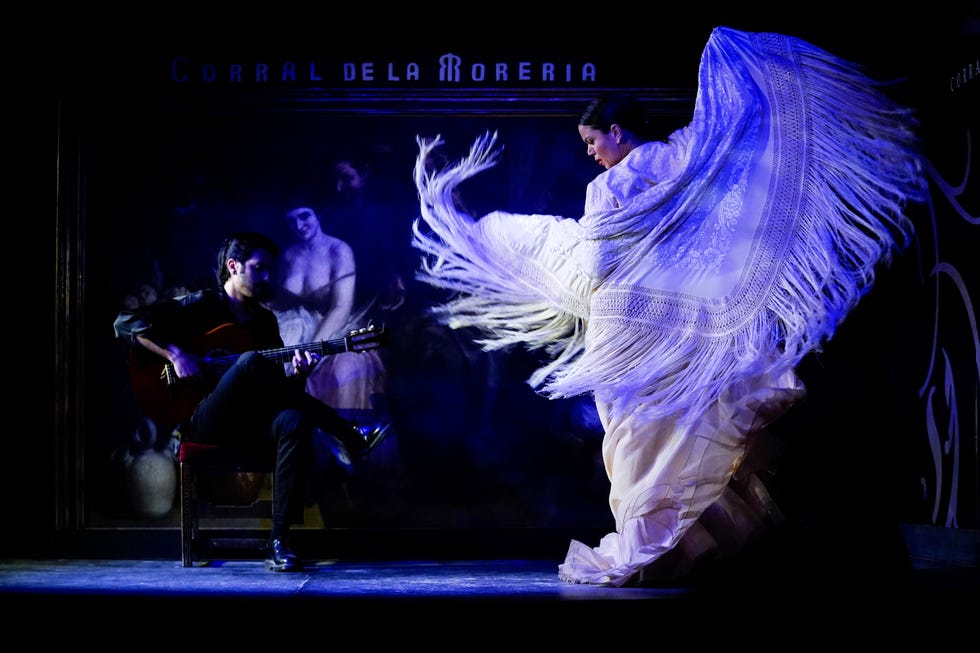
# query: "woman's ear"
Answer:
x=616 y=131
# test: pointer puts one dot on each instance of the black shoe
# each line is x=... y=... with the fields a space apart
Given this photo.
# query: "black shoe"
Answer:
x=373 y=435
x=279 y=557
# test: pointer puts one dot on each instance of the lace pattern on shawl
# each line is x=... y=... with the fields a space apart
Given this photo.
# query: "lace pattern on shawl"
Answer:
x=792 y=180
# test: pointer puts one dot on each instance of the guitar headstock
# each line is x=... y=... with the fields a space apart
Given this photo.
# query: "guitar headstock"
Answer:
x=366 y=338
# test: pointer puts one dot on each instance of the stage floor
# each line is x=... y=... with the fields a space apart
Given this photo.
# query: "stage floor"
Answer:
x=411 y=580
x=227 y=602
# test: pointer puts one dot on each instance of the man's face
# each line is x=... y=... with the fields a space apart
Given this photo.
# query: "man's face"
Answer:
x=254 y=275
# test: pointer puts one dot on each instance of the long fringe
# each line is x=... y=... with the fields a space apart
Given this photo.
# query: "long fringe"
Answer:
x=501 y=286
x=860 y=168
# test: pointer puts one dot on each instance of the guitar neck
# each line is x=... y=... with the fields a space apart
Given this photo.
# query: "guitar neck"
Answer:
x=170 y=402
x=285 y=354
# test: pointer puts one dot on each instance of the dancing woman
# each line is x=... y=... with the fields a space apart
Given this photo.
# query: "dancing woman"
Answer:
x=703 y=269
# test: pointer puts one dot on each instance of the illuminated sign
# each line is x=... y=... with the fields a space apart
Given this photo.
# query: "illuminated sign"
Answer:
x=447 y=69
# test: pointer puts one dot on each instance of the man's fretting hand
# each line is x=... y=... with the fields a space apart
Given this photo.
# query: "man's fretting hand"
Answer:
x=304 y=362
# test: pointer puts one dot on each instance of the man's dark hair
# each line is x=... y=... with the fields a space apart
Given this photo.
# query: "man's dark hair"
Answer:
x=240 y=247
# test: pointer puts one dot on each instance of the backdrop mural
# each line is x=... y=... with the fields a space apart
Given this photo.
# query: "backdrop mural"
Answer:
x=154 y=176
x=472 y=445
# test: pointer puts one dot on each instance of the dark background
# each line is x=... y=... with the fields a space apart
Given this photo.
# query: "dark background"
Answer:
x=869 y=449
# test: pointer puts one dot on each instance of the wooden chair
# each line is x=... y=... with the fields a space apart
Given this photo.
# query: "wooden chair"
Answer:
x=197 y=460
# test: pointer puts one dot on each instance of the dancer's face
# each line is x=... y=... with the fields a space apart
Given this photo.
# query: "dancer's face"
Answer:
x=603 y=147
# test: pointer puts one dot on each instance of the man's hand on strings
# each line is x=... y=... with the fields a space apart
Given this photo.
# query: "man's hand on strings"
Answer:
x=304 y=361
x=185 y=364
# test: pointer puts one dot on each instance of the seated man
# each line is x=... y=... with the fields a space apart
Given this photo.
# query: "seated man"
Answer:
x=252 y=402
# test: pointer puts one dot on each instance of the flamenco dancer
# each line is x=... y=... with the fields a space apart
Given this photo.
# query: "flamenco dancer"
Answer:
x=702 y=270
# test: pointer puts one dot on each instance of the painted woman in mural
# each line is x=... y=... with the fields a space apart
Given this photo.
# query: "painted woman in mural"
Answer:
x=704 y=268
x=316 y=301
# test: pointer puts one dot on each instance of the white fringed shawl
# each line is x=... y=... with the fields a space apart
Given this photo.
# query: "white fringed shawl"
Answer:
x=733 y=249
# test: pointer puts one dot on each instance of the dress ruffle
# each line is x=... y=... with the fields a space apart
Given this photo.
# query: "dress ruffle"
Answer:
x=665 y=474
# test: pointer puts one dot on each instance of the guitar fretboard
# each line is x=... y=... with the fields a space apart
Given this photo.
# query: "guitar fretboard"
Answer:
x=285 y=354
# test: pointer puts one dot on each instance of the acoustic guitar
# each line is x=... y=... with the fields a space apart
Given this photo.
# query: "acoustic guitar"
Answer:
x=167 y=399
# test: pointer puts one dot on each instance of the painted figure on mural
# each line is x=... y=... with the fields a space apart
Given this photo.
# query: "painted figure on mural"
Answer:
x=367 y=209
x=315 y=301
x=703 y=269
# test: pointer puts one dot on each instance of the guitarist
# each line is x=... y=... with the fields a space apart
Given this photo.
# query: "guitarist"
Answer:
x=256 y=402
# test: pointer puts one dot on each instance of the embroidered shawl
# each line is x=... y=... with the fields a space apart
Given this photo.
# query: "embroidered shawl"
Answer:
x=733 y=248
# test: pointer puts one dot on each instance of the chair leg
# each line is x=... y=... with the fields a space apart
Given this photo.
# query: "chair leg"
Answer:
x=192 y=545
x=188 y=516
